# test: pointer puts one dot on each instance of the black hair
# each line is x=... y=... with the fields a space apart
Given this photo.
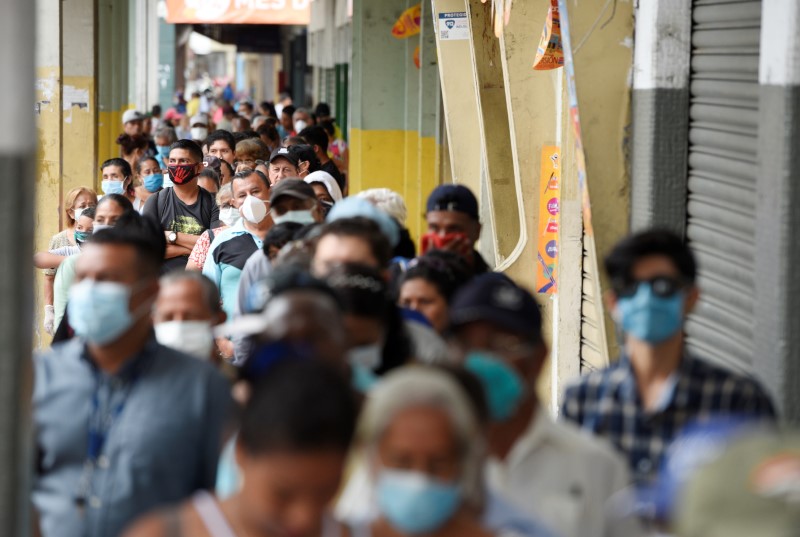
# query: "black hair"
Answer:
x=300 y=406
x=626 y=253
x=269 y=131
x=191 y=147
x=244 y=174
x=365 y=229
x=89 y=211
x=223 y=135
x=322 y=110
x=329 y=127
x=245 y=135
x=141 y=161
x=119 y=162
x=223 y=162
x=156 y=110
x=280 y=235
x=211 y=174
x=315 y=135
x=269 y=107
x=293 y=140
x=142 y=234
x=128 y=144
x=447 y=271
x=305 y=153
x=364 y=293
x=119 y=199
x=473 y=389
x=289 y=109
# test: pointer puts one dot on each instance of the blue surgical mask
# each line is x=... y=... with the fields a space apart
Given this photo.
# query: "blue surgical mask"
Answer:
x=153 y=182
x=112 y=187
x=163 y=150
x=300 y=217
x=503 y=386
x=416 y=503
x=649 y=317
x=362 y=378
x=99 y=312
x=82 y=236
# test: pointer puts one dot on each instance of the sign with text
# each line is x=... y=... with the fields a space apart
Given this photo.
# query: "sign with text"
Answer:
x=549 y=219
x=239 y=11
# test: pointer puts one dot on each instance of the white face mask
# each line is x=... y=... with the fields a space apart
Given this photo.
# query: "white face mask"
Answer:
x=229 y=216
x=78 y=213
x=194 y=338
x=253 y=209
x=299 y=217
x=299 y=125
x=368 y=356
x=199 y=133
x=100 y=227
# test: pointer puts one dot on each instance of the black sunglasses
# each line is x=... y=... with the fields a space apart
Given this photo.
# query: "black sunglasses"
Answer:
x=662 y=286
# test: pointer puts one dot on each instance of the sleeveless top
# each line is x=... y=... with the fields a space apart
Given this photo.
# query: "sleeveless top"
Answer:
x=217 y=525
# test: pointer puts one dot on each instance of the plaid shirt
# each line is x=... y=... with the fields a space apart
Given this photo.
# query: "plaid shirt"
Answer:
x=607 y=404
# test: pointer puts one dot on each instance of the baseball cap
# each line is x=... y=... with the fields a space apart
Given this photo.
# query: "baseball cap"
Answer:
x=294 y=188
x=457 y=198
x=171 y=113
x=753 y=488
x=210 y=161
x=283 y=152
x=354 y=207
x=132 y=115
x=198 y=118
x=493 y=297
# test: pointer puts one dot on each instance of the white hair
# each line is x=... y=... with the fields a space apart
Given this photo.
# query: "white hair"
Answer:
x=388 y=201
x=424 y=386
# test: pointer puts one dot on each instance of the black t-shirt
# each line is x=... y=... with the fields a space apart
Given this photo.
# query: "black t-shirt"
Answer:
x=331 y=168
x=171 y=214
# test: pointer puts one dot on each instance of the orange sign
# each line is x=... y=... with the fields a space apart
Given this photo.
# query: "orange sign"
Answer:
x=549 y=219
x=408 y=23
x=239 y=11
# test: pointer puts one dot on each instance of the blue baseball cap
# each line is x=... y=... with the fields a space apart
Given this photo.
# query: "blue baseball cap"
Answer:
x=354 y=207
x=494 y=298
x=457 y=198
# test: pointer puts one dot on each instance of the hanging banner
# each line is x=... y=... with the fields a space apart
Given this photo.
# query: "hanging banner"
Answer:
x=549 y=53
x=239 y=11
x=549 y=219
x=575 y=120
x=409 y=23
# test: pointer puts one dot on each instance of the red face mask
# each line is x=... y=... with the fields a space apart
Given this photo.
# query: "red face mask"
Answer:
x=435 y=241
x=181 y=173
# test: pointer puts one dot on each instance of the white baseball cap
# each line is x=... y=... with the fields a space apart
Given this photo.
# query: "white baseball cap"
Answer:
x=132 y=115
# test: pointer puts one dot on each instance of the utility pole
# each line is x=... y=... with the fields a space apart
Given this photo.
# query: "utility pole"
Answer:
x=17 y=177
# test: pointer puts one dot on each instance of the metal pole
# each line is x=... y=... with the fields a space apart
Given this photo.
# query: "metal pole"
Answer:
x=17 y=165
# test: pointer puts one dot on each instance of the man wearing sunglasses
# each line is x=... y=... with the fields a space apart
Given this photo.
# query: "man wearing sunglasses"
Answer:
x=642 y=401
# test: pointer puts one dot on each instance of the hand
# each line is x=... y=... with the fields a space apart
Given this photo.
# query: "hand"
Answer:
x=49 y=319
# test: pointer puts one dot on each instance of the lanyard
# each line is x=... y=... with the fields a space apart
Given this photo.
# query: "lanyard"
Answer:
x=100 y=426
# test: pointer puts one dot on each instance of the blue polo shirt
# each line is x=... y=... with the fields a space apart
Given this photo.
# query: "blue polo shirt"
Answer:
x=225 y=260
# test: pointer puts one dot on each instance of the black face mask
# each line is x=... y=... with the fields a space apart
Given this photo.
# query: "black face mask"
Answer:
x=181 y=173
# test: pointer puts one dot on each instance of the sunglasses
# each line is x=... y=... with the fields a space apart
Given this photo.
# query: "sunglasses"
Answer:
x=662 y=286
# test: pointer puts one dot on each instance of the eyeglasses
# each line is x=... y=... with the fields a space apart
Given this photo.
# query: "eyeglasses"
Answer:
x=662 y=286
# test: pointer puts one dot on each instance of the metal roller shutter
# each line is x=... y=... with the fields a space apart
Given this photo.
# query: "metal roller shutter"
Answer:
x=594 y=344
x=722 y=175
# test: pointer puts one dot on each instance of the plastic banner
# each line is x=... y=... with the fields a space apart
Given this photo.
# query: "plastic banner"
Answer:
x=239 y=11
x=549 y=220
x=409 y=23
x=549 y=53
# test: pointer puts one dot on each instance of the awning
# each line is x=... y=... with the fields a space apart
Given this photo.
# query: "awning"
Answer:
x=239 y=11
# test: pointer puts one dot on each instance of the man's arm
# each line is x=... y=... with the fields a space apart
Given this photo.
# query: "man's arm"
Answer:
x=174 y=250
x=185 y=240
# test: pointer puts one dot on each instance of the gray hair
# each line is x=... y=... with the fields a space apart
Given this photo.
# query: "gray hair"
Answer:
x=227 y=188
x=168 y=133
x=210 y=291
x=388 y=201
x=415 y=386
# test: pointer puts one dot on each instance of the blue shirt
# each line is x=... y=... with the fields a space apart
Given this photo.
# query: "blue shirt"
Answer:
x=606 y=403
x=225 y=260
x=162 y=445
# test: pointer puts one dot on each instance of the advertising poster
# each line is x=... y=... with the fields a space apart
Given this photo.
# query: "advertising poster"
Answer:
x=549 y=54
x=549 y=219
x=239 y=11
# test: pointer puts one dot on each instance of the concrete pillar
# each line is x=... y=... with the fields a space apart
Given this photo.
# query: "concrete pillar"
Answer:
x=166 y=64
x=777 y=323
x=411 y=100
x=377 y=96
x=17 y=164
x=113 y=91
x=660 y=106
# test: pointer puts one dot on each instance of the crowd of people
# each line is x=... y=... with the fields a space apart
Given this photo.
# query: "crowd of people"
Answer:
x=245 y=348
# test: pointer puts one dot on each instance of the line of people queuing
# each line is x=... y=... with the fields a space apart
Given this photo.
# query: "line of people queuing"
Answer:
x=253 y=352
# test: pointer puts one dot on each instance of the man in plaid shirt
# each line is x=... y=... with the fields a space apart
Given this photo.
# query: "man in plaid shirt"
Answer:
x=641 y=402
